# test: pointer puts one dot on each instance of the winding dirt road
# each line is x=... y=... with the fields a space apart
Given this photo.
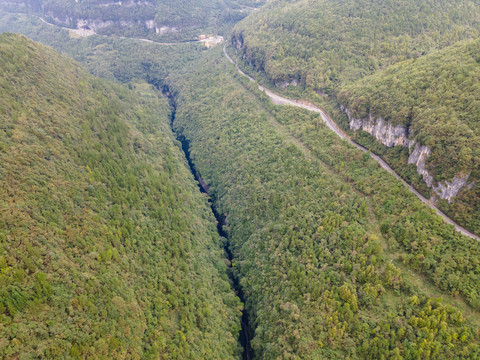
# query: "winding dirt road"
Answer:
x=280 y=100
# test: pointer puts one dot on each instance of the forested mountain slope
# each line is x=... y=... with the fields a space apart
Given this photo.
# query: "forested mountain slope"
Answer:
x=158 y=19
x=107 y=248
x=108 y=57
x=335 y=257
x=323 y=44
x=437 y=98
x=420 y=115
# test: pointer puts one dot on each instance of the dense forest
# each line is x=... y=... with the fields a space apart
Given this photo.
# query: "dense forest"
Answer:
x=437 y=97
x=342 y=55
x=330 y=250
x=324 y=44
x=107 y=248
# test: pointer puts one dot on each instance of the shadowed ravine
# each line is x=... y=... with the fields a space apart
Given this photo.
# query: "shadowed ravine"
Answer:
x=246 y=332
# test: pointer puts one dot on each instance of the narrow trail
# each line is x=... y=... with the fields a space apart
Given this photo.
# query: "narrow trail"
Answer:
x=280 y=100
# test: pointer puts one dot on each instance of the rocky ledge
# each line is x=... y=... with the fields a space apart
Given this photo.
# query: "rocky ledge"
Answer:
x=382 y=130
x=390 y=136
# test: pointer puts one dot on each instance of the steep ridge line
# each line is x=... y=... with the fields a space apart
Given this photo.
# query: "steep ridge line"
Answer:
x=280 y=100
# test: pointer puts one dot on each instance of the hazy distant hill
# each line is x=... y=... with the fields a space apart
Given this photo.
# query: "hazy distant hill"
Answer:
x=107 y=248
x=180 y=19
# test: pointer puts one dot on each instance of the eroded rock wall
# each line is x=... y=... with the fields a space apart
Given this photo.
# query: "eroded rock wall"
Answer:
x=419 y=157
x=448 y=190
x=382 y=130
x=390 y=136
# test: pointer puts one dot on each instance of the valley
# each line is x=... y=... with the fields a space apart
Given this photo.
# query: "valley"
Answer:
x=279 y=100
x=323 y=64
x=216 y=203
x=245 y=334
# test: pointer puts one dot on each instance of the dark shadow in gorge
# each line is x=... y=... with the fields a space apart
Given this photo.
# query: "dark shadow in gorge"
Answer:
x=247 y=332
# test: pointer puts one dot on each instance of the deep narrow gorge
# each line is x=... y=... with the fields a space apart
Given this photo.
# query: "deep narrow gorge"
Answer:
x=176 y=200
x=247 y=332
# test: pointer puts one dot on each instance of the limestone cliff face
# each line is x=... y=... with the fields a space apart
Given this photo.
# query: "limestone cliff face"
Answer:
x=448 y=190
x=95 y=25
x=418 y=157
x=383 y=131
x=131 y=14
x=284 y=84
x=444 y=189
x=390 y=136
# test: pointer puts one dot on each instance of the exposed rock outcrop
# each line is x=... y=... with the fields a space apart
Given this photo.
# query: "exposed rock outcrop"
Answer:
x=448 y=190
x=150 y=24
x=382 y=130
x=125 y=3
x=390 y=135
x=95 y=25
x=418 y=157
x=444 y=189
x=284 y=84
